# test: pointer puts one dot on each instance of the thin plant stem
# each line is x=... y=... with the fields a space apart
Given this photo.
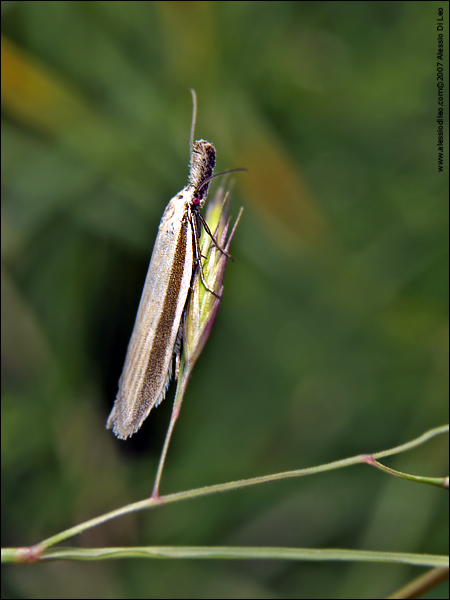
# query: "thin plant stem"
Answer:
x=419 y=586
x=32 y=553
x=234 y=552
x=185 y=371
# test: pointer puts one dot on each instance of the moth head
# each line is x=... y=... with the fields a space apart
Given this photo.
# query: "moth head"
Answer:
x=203 y=160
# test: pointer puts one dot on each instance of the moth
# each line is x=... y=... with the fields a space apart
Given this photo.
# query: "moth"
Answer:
x=157 y=334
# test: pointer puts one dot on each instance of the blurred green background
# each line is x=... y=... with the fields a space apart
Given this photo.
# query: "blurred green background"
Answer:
x=332 y=335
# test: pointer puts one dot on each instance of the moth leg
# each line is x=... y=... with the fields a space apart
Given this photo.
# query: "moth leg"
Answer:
x=197 y=249
x=208 y=231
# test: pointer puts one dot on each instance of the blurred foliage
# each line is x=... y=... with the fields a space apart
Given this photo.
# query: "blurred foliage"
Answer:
x=331 y=338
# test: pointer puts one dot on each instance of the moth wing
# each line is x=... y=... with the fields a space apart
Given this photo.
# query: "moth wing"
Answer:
x=148 y=363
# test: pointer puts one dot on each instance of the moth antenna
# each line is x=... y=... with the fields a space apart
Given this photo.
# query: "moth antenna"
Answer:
x=194 y=117
x=208 y=179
